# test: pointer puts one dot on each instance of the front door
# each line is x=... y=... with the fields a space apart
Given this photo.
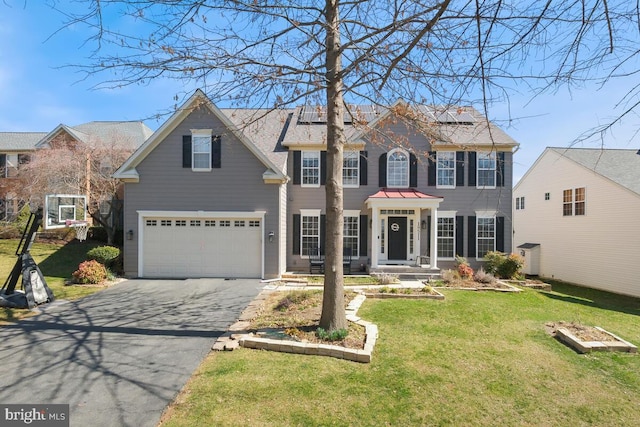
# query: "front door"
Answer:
x=397 y=230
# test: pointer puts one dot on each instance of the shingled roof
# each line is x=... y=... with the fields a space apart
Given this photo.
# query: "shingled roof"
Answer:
x=20 y=141
x=618 y=165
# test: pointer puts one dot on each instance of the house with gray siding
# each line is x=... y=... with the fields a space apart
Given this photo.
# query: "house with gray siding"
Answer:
x=241 y=193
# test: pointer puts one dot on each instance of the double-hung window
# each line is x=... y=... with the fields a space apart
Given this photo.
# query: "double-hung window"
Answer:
x=201 y=149
x=486 y=231
x=351 y=169
x=486 y=170
x=567 y=202
x=350 y=232
x=573 y=202
x=311 y=168
x=398 y=169
x=446 y=237
x=446 y=167
x=579 y=199
x=310 y=232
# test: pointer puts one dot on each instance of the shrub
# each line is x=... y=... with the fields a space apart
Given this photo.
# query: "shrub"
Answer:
x=386 y=278
x=503 y=266
x=482 y=276
x=428 y=289
x=337 y=335
x=293 y=298
x=450 y=276
x=511 y=266
x=464 y=269
x=90 y=272
x=105 y=255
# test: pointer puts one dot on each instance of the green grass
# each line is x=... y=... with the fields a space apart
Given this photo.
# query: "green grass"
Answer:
x=477 y=358
x=56 y=262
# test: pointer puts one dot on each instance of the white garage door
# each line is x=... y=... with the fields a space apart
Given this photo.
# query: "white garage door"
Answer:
x=201 y=247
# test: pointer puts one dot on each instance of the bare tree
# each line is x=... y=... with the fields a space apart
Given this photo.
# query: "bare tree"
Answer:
x=277 y=53
x=70 y=167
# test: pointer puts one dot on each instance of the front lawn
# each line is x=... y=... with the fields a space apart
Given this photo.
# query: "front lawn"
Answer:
x=56 y=262
x=476 y=358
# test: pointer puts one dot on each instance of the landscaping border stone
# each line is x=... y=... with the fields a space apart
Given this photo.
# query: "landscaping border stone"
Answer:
x=237 y=335
x=565 y=336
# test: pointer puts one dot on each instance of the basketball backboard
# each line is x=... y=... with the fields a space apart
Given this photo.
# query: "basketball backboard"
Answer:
x=59 y=208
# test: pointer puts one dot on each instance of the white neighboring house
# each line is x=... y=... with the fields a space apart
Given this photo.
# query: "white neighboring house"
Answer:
x=577 y=218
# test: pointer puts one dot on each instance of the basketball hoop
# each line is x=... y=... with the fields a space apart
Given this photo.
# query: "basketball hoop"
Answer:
x=81 y=227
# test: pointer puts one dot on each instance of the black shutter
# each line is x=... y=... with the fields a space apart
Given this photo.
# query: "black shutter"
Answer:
x=296 y=234
x=297 y=167
x=459 y=235
x=323 y=167
x=186 y=151
x=431 y=172
x=363 y=168
x=500 y=172
x=216 y=152
x=323 y=223
x=500 y=234
x=460 y=169
x=3 y=165
x=382 y=170
x=364 y=228
x=471 y=237
x=429 y=235
x=413 y=170
x=472 y=169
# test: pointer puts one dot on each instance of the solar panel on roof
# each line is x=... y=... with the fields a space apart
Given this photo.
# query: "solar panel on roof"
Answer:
x=362 y=113
x=446 y=115
x=313 y=114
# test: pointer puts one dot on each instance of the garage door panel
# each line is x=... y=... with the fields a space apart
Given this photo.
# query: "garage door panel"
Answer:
x=182 y=247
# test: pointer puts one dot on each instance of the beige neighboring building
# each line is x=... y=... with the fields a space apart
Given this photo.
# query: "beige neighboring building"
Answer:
x=576 y=218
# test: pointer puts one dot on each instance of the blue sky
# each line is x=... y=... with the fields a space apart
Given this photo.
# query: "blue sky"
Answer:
x=37 y=92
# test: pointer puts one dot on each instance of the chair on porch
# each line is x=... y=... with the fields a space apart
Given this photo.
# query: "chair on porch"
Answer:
x=346 y=260
x=316 y=261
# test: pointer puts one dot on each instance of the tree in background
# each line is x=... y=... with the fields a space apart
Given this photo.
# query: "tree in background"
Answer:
x=278 y=53
x=71 y=167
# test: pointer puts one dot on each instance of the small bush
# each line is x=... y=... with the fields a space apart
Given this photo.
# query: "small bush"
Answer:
x=428 y=289
x=482 y=276
x=464 y=269
x=503 y=266
x=90 y=272
x=450 y=276
x=337 y=335
x=386 y=278
x=384 y=290
x=105 y=255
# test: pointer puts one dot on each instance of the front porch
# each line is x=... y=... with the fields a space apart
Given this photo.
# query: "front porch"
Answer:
x=404 y=230
x=407 y=272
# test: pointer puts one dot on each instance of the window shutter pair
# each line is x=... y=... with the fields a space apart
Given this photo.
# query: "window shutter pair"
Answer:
x=216 y=152
x=432 y=169
x=413 y=170
x=323 y=219
x=297 y=167
x=500 y=169
x=471 y=243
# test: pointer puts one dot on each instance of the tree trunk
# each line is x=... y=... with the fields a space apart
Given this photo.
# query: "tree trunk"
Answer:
x=333 y=311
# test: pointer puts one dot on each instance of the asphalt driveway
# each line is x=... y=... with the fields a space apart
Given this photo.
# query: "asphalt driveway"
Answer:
x=120 y=356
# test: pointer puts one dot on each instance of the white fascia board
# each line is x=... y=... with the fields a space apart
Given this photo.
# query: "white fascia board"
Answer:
x=202 y=214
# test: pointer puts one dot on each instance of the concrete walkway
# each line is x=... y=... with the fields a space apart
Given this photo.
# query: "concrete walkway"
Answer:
x=119 y=356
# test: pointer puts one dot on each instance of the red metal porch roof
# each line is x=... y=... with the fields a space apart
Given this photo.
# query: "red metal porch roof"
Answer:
x=401 y=193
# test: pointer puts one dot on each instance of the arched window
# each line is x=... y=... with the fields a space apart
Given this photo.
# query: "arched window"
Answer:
x=398 y=169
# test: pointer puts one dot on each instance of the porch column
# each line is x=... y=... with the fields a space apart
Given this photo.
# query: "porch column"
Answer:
x=375 y=236
x=434 y=239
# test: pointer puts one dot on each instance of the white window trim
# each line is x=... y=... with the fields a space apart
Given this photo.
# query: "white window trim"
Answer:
x=495 y=170
x=484 y=215
x=313 y=213
x=302 y=168
x=454 y=170
x=357 y=156
x=353 y=213
x=450 y=215
x=406 y=153
x=201 y=133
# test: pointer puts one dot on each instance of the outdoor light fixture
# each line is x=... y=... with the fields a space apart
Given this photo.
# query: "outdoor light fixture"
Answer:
x=130 y=235
x=423 y=224
x=271 y=234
